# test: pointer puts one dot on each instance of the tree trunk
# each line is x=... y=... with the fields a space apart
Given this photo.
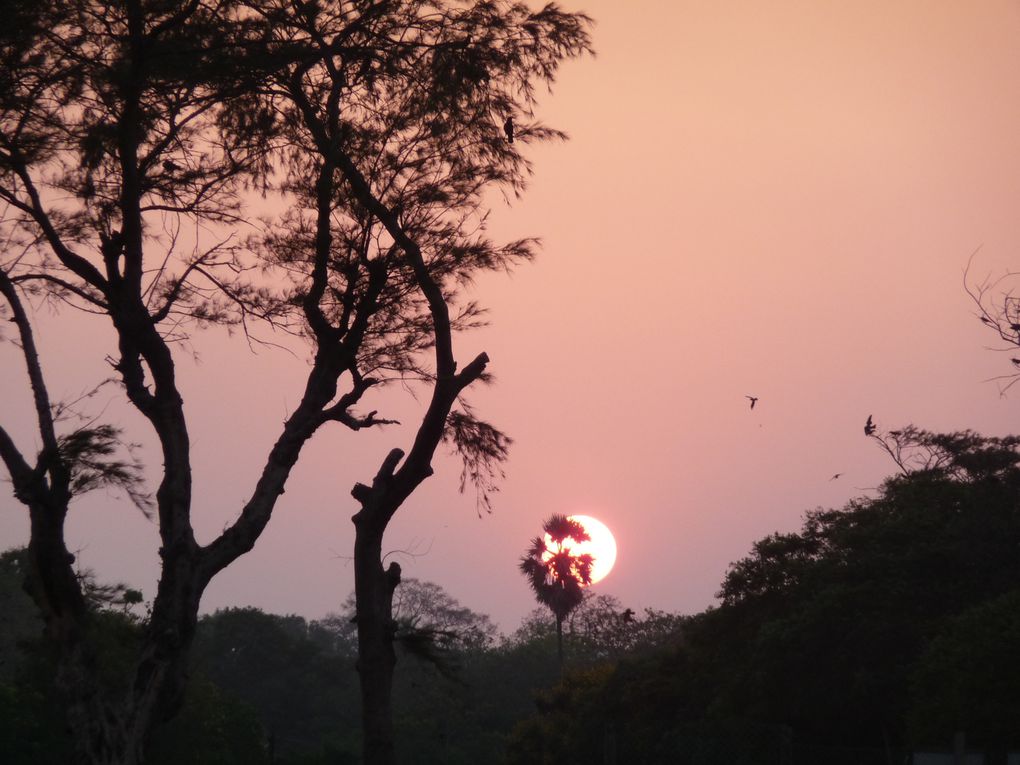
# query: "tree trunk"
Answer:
x=114 y=729
x=559 y=643
x=373 y=591
x=109 y=727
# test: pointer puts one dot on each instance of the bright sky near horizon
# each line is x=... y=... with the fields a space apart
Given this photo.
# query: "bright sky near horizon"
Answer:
x=774 y=199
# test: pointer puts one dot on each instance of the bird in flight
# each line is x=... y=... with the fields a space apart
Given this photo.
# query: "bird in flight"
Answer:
x=834 y=477
x=508 y=128
x=752 y=399
x=869 y=427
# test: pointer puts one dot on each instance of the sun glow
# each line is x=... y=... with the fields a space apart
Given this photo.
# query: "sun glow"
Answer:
x=601 y=546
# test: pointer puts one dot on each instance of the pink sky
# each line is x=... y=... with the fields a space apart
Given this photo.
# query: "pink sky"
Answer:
x=773 y=198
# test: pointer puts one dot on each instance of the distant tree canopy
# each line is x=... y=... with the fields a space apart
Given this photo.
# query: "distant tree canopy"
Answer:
x=422 y=612
x=601 y=630
x=887 y=624
x=267 y=686
x=968 y=676
x=845 y=634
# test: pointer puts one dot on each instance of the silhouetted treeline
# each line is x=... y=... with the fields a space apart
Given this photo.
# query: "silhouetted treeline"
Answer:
x=886 y=625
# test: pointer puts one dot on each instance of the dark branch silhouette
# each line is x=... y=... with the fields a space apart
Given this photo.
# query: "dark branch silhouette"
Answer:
x=123 y=124
x=998 y=308
x=963 y=456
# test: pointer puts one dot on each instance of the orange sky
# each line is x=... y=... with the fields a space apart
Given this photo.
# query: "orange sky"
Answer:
x=772 y=198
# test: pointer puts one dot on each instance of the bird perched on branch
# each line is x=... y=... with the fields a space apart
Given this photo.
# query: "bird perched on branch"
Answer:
x=869 y=427
x=508 y=128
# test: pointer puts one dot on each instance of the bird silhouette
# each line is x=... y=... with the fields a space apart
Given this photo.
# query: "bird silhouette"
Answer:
x=752 y=399
x=170 y=166
x=869 y=427
x=508 y=128
x=835 y=476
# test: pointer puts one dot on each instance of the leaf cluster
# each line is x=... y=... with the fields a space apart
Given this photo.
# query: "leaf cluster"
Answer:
x=91 y=454
x=555 y=574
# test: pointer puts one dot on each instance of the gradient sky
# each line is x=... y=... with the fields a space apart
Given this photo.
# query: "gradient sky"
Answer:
x=770 y=198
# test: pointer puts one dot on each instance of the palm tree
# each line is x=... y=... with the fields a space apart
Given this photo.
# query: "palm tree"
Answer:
x=557 y=576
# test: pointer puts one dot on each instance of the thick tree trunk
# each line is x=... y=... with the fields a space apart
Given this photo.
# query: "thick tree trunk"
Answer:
x=374 y=588
x=109 y=726
x=113 y=727
x=373 y=585
x=52 y=584
x=97 y=732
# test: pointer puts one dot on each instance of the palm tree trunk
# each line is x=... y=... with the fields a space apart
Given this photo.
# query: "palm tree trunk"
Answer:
x=559 y=642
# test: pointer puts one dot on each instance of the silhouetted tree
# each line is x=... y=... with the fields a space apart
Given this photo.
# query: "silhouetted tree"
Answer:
x=998 y=308
x=396 y=120
x=422 y=612
x=556 y=575
x=377 y=125
x=214 y=727
x=895 y=613
x=852 y=599
x=110 y=133
x=600 y=629
x=963 y=456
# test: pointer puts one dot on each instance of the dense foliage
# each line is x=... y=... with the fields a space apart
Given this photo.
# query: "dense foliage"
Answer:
x=884 y=626
x=855 y=638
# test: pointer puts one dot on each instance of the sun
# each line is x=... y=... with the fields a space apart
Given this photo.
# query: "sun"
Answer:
x=601 y=547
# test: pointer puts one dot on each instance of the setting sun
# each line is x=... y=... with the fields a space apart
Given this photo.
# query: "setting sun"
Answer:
x=601 y=546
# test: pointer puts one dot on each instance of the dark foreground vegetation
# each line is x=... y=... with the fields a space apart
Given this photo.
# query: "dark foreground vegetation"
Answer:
x=135 y=139
x=884 y=626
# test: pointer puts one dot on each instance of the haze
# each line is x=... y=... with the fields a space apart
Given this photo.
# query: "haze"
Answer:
x=772 y=199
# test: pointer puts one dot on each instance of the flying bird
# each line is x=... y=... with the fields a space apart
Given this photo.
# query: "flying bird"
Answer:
x=869 y=427
x=752 y=399
x=508 y=128
x=834 y=477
